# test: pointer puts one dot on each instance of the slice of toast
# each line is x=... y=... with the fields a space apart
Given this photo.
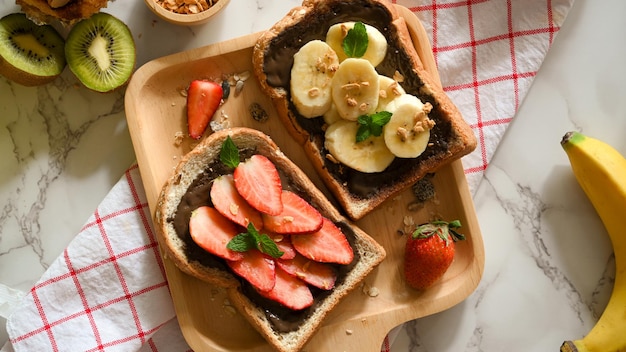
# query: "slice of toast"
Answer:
x=188 y=188
x=40 y=11
x=358 y=192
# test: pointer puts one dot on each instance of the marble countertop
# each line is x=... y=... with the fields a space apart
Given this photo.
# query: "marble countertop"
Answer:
x=549 y=266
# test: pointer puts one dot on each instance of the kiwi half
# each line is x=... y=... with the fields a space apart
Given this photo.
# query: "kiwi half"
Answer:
x=30 y=54
x=100 y=51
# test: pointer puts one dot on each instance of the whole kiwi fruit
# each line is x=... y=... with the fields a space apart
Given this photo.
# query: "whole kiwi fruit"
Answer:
x=30 y=54
x=100 y=51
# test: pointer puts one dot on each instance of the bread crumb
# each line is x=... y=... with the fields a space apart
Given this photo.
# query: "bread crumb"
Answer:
x=371 y=291
x=228 y=307
x=348 y=332
x=178 y=138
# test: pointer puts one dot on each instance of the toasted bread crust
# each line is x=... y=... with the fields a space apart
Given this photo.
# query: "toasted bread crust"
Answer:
x=460 y=141
x=370 y=253
x=40 y=12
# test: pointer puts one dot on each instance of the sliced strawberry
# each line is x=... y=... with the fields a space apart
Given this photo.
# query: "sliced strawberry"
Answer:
x=297 y=217
x=212 y=232
x=328 y=245
x=229 y=203
x=284 y=245
x=258 y=182
x=318 y=274
x=203 y=99
x=289 y=291
x=257 y=269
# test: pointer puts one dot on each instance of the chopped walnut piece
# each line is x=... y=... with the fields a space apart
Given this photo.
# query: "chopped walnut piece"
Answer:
x=332 y=159
x=403 y=134
x=350 y=86
x=314 y=92
x=398 y=77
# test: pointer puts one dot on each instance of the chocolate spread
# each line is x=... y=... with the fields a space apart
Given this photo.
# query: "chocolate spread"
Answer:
x=198 y=194
x=277 y=67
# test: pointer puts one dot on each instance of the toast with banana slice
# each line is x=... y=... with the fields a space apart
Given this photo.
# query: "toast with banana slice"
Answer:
x=285 y=264
x=349 y=87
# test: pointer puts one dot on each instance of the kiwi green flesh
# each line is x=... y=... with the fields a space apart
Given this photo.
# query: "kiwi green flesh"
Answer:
x=100 y=51
x=30 y=54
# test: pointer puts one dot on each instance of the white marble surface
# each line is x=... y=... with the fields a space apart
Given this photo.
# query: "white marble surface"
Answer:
x=549 y=265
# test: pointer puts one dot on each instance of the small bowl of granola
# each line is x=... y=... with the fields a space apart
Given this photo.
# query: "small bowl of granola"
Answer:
x=186 y=12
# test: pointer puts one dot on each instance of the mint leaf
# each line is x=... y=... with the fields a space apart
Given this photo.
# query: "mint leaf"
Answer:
x=372 y=125
x=269 y=247
x=229 y=154
x=254 y=240
x=241 y=243
x=356 y=41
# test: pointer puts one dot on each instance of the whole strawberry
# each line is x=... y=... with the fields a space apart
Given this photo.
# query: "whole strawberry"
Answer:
x=429 y=252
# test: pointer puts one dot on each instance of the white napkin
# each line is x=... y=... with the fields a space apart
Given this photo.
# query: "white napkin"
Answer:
x=107 y=291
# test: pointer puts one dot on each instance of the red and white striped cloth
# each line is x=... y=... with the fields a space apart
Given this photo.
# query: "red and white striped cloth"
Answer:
x=108 y=292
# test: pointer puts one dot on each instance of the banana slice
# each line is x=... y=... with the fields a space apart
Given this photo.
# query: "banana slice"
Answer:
x=331 y=115
x=311 y=75
x=355 y=88
x=371 y=155
x=389 y=90
x=376 y=46
x=407 y=132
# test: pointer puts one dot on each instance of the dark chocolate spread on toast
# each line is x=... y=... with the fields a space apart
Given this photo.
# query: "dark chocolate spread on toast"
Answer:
x=277 y=67
x=283 y=319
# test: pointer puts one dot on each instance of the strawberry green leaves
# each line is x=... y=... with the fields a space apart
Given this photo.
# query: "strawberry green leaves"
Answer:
x=356 y=41
x=441 y=229
x=372 y=125
x=253 y=239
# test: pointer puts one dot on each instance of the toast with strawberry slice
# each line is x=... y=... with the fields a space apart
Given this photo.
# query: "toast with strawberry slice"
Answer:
x=268 y=278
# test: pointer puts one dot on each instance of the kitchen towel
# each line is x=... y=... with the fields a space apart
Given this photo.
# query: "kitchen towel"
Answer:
x=108 y=292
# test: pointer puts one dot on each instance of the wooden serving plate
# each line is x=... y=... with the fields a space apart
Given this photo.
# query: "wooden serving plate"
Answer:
x=155 y=110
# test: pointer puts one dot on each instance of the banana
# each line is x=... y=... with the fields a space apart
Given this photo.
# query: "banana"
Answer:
x=601 y=172
x=370 y=155
x=354 y=88
x=331 y=115
x=376 y=42
x=314 y=66
x=389 y=89
x=407 y=132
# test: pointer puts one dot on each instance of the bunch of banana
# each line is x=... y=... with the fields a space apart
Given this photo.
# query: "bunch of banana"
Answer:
x=337 y=79
x=601 y=172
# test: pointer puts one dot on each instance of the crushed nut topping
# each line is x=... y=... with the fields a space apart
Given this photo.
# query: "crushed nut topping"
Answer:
x=403 y=134
x=186 y=6
x=314 y=92
x=233 y=208
x=332 y=158
x=351 y=86
x=398 y=77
